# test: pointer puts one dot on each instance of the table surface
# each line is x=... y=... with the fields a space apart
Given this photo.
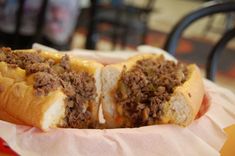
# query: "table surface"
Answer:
x=228 y=148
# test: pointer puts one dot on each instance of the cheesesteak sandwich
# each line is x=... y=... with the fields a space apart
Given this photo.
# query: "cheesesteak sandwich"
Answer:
x=49 y=90
x=147 y=89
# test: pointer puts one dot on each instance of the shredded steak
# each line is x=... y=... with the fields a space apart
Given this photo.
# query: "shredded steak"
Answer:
x=49 y=76
x=143 y=90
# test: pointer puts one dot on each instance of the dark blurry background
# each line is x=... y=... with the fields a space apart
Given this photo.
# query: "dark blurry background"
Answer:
x=51 y=22
x=116 y=24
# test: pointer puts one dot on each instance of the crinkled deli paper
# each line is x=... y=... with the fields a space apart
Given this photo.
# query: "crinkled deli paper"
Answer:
x=204 y=137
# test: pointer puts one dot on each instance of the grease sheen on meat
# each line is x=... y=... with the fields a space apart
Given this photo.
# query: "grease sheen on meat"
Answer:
x=144 y=88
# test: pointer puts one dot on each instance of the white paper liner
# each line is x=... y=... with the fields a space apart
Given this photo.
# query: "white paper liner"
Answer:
x=205 y=136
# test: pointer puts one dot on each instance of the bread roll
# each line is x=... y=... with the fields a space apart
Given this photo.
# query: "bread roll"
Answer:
x=25 y=101
x=180 y=106
x=49 y=90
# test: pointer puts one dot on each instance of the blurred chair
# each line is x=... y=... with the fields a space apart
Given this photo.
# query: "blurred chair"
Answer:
x=215 y=53
x=228 y=19
x=212 y=60
x=124 y=19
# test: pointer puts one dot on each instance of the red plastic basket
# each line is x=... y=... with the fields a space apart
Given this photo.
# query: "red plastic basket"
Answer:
x=4 y=148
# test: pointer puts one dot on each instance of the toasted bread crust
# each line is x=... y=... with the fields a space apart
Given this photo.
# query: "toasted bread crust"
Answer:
x=7 y=117
x=190 y=95
x=18 y=100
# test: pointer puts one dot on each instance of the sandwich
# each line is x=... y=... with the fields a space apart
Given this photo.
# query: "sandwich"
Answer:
x=149 y=89
x=49 y=90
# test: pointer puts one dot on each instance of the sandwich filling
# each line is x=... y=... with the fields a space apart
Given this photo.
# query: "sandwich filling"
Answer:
x=50 y=75
x=142 y=91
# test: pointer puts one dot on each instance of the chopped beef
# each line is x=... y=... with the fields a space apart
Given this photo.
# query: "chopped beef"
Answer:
x=82 y=92
x=142 y=90
x=22 y=59
x=49 y=76
x=82 y=83
x=38 y=67
x=45 y=82
x=65 y=62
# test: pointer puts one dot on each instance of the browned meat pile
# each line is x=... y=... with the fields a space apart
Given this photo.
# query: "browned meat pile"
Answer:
x=143 y=89
x=50 y=75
